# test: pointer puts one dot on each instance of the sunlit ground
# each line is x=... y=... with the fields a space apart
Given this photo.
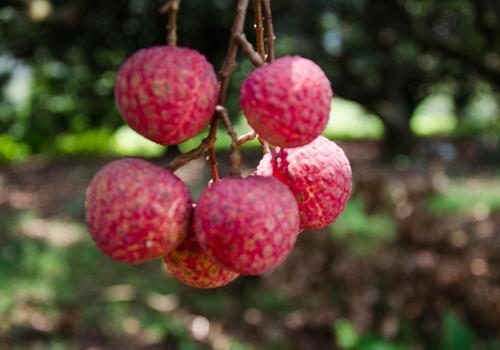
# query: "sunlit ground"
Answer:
x=58 y=291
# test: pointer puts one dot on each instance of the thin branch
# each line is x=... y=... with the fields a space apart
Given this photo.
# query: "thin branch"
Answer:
x=235 y=156
x=212 y=139
x=232 y=52
x=228 y=69
x=259 y=27
x=165 y=7
x=208 y=144
x=172 y=8
x=187 y=157
x=252 y=135
x=247 y=47
x=265 y=146
x=270 y=36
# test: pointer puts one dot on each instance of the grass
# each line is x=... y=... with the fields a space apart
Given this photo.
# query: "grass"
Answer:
x=466 y=196
x=362 y=232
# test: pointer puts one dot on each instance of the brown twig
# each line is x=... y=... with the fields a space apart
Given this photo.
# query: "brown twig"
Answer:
x=228 y=68
x=259 y=31
x=235 y=156
x=270 y=36
x=172 y=8
x=211 y=140
x=247 y=47
x=230 y=62
x=247 y=137
x=259 y=27
x=187 y=157
x=265 y=146
x=208 y=144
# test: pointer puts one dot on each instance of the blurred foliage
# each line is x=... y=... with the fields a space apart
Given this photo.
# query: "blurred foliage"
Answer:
x=361 y=232
x=400 y=69
x=56 y=281
x=59 y=59
x=462 y=196
x=354 y=285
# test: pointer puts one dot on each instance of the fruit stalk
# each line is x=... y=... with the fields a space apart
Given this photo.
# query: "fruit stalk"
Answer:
x=235 y=156
x=172 y=8
x=236 y=41
x=270 y=37
x=259 y=26
x=225 y=76
x=248 y=49
x=259 y=32
x=208 y=144
x=251 y=135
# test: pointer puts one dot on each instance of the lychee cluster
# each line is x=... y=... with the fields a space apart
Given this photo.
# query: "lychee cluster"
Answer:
x=137 y=212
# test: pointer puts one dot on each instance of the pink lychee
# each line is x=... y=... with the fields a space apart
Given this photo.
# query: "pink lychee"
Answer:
x=167 y=94
x=287 y=102
x=248 y=225
x=319 y=175
x=137 y=212
x=191 y=265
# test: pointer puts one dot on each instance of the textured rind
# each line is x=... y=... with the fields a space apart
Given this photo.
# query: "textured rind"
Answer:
x=167 y=94
x=248 y=225
x=191 y=265
x=137 y=212
x=287 y=102
x=319 y=175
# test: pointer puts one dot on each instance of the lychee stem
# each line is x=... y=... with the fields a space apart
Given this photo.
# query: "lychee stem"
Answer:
x=235 y=156
x=270 y=36
x=247 y=47
x=211 y=140
x=259 y=31
x=172 y=8
x=247 y=137
x=225 y=76
x=259 y=27
x=208 y=143
x=237 y=40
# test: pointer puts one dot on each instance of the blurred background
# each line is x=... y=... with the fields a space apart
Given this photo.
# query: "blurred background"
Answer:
x=413 y=263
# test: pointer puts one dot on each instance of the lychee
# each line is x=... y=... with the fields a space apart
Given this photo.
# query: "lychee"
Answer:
x=287 y=102
x=319 y=175
x=167 y=94
x=190 y=264
x=137 y=212
x=248 y=225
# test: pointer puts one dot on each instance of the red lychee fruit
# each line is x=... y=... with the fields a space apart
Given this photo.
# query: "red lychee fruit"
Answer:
x=248 y=225
x=287 y=102
x=319 y=175
x=137 y=212
x=191 y=265
x=167 y=94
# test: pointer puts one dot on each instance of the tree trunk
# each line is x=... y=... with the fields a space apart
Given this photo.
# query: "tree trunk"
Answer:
x=398 y=139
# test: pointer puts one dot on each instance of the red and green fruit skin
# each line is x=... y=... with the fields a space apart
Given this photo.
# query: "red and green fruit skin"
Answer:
x=248 y=225
x=191 y=265
x=287 y=102
x=137 y=212
x=318 y=174
x=167 y=94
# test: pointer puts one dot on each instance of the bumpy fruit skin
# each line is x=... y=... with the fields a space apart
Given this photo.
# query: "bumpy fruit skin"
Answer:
x=167 y=94
x=248 y=225
x=137 y=212
x=319 y=175
x=191 y=265
x=287 y=102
